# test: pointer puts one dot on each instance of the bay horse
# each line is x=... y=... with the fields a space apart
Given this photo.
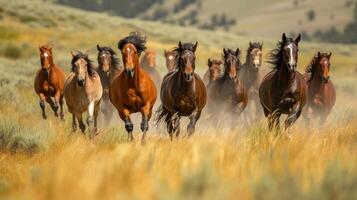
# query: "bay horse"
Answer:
x=183 y=93
x=249 y=73
x=283 y=90
x=228 y=94
x=49 y=83
x=108 y=69
x=133 y=90
x=170 y=60
x=321 y=91
x=148 y=64
x=213 y=72
x=83 y=92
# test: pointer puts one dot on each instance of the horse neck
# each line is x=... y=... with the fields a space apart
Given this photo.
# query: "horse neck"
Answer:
x=316 y=80
x=284 y=77
x=187 y=86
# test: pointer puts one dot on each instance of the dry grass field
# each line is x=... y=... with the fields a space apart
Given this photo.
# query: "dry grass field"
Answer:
x=43 y=160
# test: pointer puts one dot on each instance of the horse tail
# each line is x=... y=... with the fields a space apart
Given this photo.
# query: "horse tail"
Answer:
x=161 y=115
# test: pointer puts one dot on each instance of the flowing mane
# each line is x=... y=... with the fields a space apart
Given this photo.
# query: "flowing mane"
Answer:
x=178 y=51
x=114 y=60
x=136 y=39
x=90 y=67
x=275 y=56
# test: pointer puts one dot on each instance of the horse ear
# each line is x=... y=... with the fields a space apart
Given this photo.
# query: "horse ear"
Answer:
x=297 y=40
x=73 y=54
x=318 y=54
x=224 y=51
x=261 y=46
x=250 y=44
x=329 y=55
x=195 y=47
x=180 y=45
x=237 y=52
x=284 y=37
x=209 y=62
x=165 y=52
x=98 y=47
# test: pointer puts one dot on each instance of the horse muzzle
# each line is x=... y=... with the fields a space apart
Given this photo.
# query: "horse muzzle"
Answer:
x=129 y=72
x=188 y=76
x=291 y=68
x=325 y=79
x=81 y=82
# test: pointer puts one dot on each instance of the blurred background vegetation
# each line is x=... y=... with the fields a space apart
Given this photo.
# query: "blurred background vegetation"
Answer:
x=318 y=20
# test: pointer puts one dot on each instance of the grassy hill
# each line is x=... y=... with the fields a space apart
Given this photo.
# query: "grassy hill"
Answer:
x=43 y=160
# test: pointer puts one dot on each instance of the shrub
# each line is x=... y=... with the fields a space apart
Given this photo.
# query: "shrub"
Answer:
x=12 y=52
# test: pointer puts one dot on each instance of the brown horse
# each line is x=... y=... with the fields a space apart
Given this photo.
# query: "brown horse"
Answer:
x=148 y=63
x=213 y=72
x=321 y=91
x=108 y=69
x=183 y=93
x=83 y=92
x=49 y=83
x=249 y=73
x=283 y=90
x=133 y=90
x=170 y=60
x=228 y=94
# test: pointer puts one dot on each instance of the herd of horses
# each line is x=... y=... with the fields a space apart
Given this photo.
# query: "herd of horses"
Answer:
x=133 y=86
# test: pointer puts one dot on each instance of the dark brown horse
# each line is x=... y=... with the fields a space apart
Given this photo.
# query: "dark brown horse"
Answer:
x=249 y=73
x=213 y=72
x=133 y=90
x=321 y=91
x=228 y=94
x=170 y=60
x=183 y=93
x=148 y=63
x=108 y=69
x=49 y=83
x=283 y=90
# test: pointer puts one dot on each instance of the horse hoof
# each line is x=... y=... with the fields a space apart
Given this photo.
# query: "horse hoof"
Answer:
x=144 y=127
x=44 y=116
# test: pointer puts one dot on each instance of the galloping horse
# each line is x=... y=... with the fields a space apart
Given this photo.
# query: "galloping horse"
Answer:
x=133 y=90
x=183 y=93
x=108 y=68
x=148 y=63
x=283 y=90
x=83 y=92
x=170 y=60
x=213 y=72
x=49 y=82
x=249 y=73
x=228 y=91
x=321 y=91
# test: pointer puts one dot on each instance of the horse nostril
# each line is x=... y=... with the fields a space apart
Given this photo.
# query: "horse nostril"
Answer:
x=80 y=82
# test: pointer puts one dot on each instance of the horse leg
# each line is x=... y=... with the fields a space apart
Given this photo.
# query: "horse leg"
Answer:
x=125 y=116
x=95 y=115
x=175 y=122
x=61 y=108
x=294 y=115
x=146 y=115
x=42 y=105
x=74 y=123
x=80 y=121
x=56 y=102
x=193 y=120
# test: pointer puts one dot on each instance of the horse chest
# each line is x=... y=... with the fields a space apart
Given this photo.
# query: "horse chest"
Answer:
x=133 y=99
x=48 y=88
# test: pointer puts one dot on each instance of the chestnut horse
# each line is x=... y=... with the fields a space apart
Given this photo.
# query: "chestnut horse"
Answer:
x=213 y=72
x=170 y=60
x=83 y=92
x=148 y=63
x=108 y=68
x=228 y=91
x=183 y=93
x=283 y=90
x=321 y=91
x=249 y=73
x=49 y=83
x=133 y=90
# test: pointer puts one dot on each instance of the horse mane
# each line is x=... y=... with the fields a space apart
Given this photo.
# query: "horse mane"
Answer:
x=254 y=45
x=215 y=61
x=136 y=39
x=114 y=60
x=90 y=67
x=178 y=51
x=311 y=67
x=275 y=56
